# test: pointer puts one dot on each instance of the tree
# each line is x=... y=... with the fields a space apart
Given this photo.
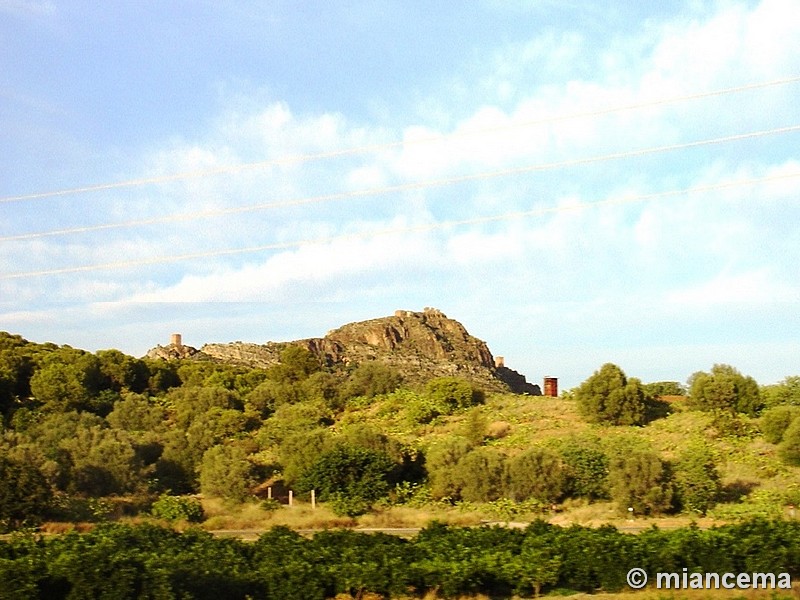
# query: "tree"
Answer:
x=537 y=473
x=267 y=396
x=123 y=372
x=640 y=480
x=24 y=494
x=296 y=364
x=785 y=392
x=475 y=427
x=608 y=396
x=225 y=472
x=163 y=376
x=103 y=462
x=299 y=450
x=191 y=402
x=725 y=389
x=323 y=387
x=59 y=387
x=664 y=388
x=136 y=413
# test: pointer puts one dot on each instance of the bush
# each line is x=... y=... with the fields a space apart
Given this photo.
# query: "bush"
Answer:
x=350 y=477
x=227 y=473
x=776 y=420
x=697 y=482
x=24 y=494
x=424 y=410
x=453 y=393
x=789 y=448
x=481 y=475
x=178 y=508
x=587 y=469
x=640 y=480
x=371 y=379
x=538 y=473
x=440 y=462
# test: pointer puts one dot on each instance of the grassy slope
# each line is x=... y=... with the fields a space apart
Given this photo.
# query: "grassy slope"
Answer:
x=755 y=480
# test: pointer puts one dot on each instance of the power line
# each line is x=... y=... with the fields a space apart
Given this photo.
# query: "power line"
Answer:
x=394 y=230
x=401 y=187
x=388 y=145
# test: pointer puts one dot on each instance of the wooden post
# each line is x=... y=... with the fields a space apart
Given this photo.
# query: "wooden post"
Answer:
x=290 y=497
x=313 y=499
x=269 y=492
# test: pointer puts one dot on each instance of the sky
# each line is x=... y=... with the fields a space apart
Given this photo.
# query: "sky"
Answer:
x=577 y=184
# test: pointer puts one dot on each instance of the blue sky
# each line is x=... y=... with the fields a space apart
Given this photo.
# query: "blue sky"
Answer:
x=576 y=184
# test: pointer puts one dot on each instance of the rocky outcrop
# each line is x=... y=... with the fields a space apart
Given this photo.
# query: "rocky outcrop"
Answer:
x=176 y=352
x=420 y=345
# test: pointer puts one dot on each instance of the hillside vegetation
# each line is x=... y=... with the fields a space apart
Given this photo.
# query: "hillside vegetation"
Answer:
x=91 y=437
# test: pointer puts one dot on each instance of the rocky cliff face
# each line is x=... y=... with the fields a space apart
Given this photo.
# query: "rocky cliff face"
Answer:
x=421 y=345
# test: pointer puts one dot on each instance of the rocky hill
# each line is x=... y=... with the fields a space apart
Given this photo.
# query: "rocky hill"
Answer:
x=421 y=345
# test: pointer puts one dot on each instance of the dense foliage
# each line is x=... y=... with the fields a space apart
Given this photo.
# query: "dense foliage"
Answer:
x=609 y=396
x=145 y=561
x=79 y=428
x=725 y=388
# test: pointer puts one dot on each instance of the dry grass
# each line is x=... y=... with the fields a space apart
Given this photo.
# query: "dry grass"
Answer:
x=55 y=527
x=408 y=517
x=251 y=516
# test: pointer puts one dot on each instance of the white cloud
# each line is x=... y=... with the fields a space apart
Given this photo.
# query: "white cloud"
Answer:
x=758 y=286
x=589 y=268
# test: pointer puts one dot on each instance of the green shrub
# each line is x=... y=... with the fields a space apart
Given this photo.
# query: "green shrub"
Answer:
x=24 y=494
x=481 y=475
x=453 y=393
x=178 y=508
x=350 y=477
x=424 y=410
x=697 y=482
x=537 y=473
x=371 y=379
x=789 y=448
x=270 y=504
x=587 y=471
x=775 y=421
x=639 y=479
